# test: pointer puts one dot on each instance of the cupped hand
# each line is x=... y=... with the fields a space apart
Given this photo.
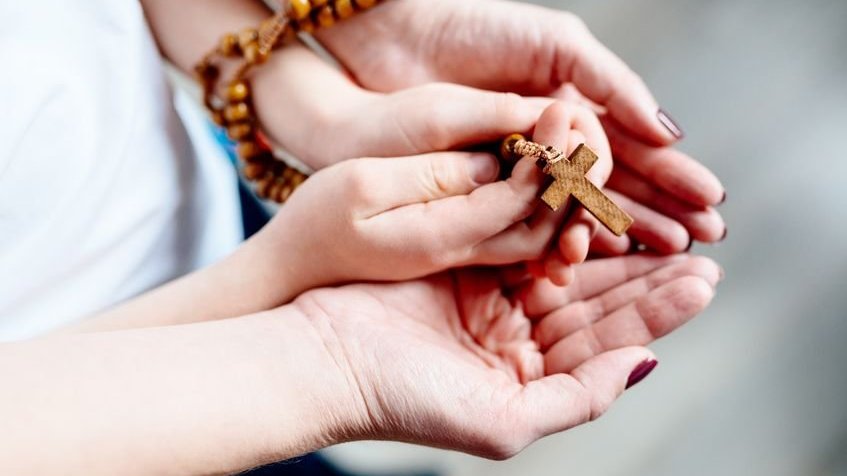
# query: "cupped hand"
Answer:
x=477 y=361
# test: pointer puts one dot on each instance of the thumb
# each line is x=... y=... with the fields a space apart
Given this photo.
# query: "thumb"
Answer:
x=377 y=185
x=561 y=401
x=443 y=116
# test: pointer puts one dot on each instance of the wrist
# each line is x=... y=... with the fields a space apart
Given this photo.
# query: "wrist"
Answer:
x=323 y=405
x=300 y=100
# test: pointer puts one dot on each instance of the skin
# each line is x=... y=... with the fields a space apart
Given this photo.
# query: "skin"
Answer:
x=414 y=87
x=478 y=360
x=510 y=356
x=419 y=215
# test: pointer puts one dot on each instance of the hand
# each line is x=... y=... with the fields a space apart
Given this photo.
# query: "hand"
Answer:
x=402 y=218
x=494 y=45
x=670 y=195
x=322 y=117
x=468 y=360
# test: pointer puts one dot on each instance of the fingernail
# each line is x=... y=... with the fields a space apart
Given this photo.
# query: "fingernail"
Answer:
x=725 y=231
x=641 y=371
x=690 y=244
x=669 y=124
x=483 y=168
x=723 y=199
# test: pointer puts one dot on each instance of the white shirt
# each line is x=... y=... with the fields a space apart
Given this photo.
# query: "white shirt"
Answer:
x=102 y=194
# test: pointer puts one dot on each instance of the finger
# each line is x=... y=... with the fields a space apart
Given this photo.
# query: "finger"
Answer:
x=442 y=116
x=456 y=225
x=583 y=126
x=578 y=230
x=557 y=269
x=592 y=278
x=377 y=185
x=561 y=125
x=638 y=323
x=566 y=125
x=560 y=401
x=570 y=318
x=652 y=229
x=606 y=80
x=703 y=223
x=667 y=169
x=606 y=243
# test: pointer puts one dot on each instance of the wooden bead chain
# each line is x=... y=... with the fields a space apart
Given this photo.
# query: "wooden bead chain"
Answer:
x=275 y=180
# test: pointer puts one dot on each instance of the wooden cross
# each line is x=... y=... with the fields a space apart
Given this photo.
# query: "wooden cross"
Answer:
x=569 y=174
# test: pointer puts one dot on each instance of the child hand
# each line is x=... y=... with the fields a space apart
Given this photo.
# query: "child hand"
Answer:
x=401 y=218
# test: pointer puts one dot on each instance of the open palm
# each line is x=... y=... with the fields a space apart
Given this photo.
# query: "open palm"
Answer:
x=485 y=361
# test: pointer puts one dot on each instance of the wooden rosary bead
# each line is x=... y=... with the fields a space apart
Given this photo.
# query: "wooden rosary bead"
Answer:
x=247 y=36
x=229 y=45
x=237 y=91
x=283 y=194
x=255 y=170
x=248 y=150
x=275 y=189
x=306 y=26
x=218 y=118
x=288 y=173
x=299 y=9
x=254 y=55
x=344 y=9
x=365 y=4
x=274 y=178
x=325 y=17
x=237 y=112
x=238 y=132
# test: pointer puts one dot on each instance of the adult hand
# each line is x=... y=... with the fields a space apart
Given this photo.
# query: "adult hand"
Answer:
x=493 y=45
x=468 y=360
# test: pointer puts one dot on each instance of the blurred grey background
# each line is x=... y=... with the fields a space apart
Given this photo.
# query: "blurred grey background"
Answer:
x=757 y=385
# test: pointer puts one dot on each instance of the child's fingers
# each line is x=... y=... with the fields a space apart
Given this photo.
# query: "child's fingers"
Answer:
x=606 y=243
x=455 y=224
x=377 y=185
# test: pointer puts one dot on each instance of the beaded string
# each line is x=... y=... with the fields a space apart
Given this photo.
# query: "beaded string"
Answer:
x=275 y=180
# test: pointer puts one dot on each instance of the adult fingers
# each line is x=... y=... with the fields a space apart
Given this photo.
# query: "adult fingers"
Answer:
x=666 y=168
x=651 y=228
x=594 y=277
x=578 y=315
x=606 y=80
x=560 y=401
x=703 y=223
x=646 y=319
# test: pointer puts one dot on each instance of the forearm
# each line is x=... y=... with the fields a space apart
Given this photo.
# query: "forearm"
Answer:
x=207 y=398
x=260 y=275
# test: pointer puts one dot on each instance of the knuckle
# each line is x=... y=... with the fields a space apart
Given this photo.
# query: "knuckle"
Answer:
x=572 y=22
x=441 y=176
x=506 y=105
x=358 y=184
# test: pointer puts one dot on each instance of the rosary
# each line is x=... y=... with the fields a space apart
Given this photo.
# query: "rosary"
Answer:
x=276 y=180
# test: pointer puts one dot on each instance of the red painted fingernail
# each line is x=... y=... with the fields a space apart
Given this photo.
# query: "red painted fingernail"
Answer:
x=669 y=124
x=641 y=371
